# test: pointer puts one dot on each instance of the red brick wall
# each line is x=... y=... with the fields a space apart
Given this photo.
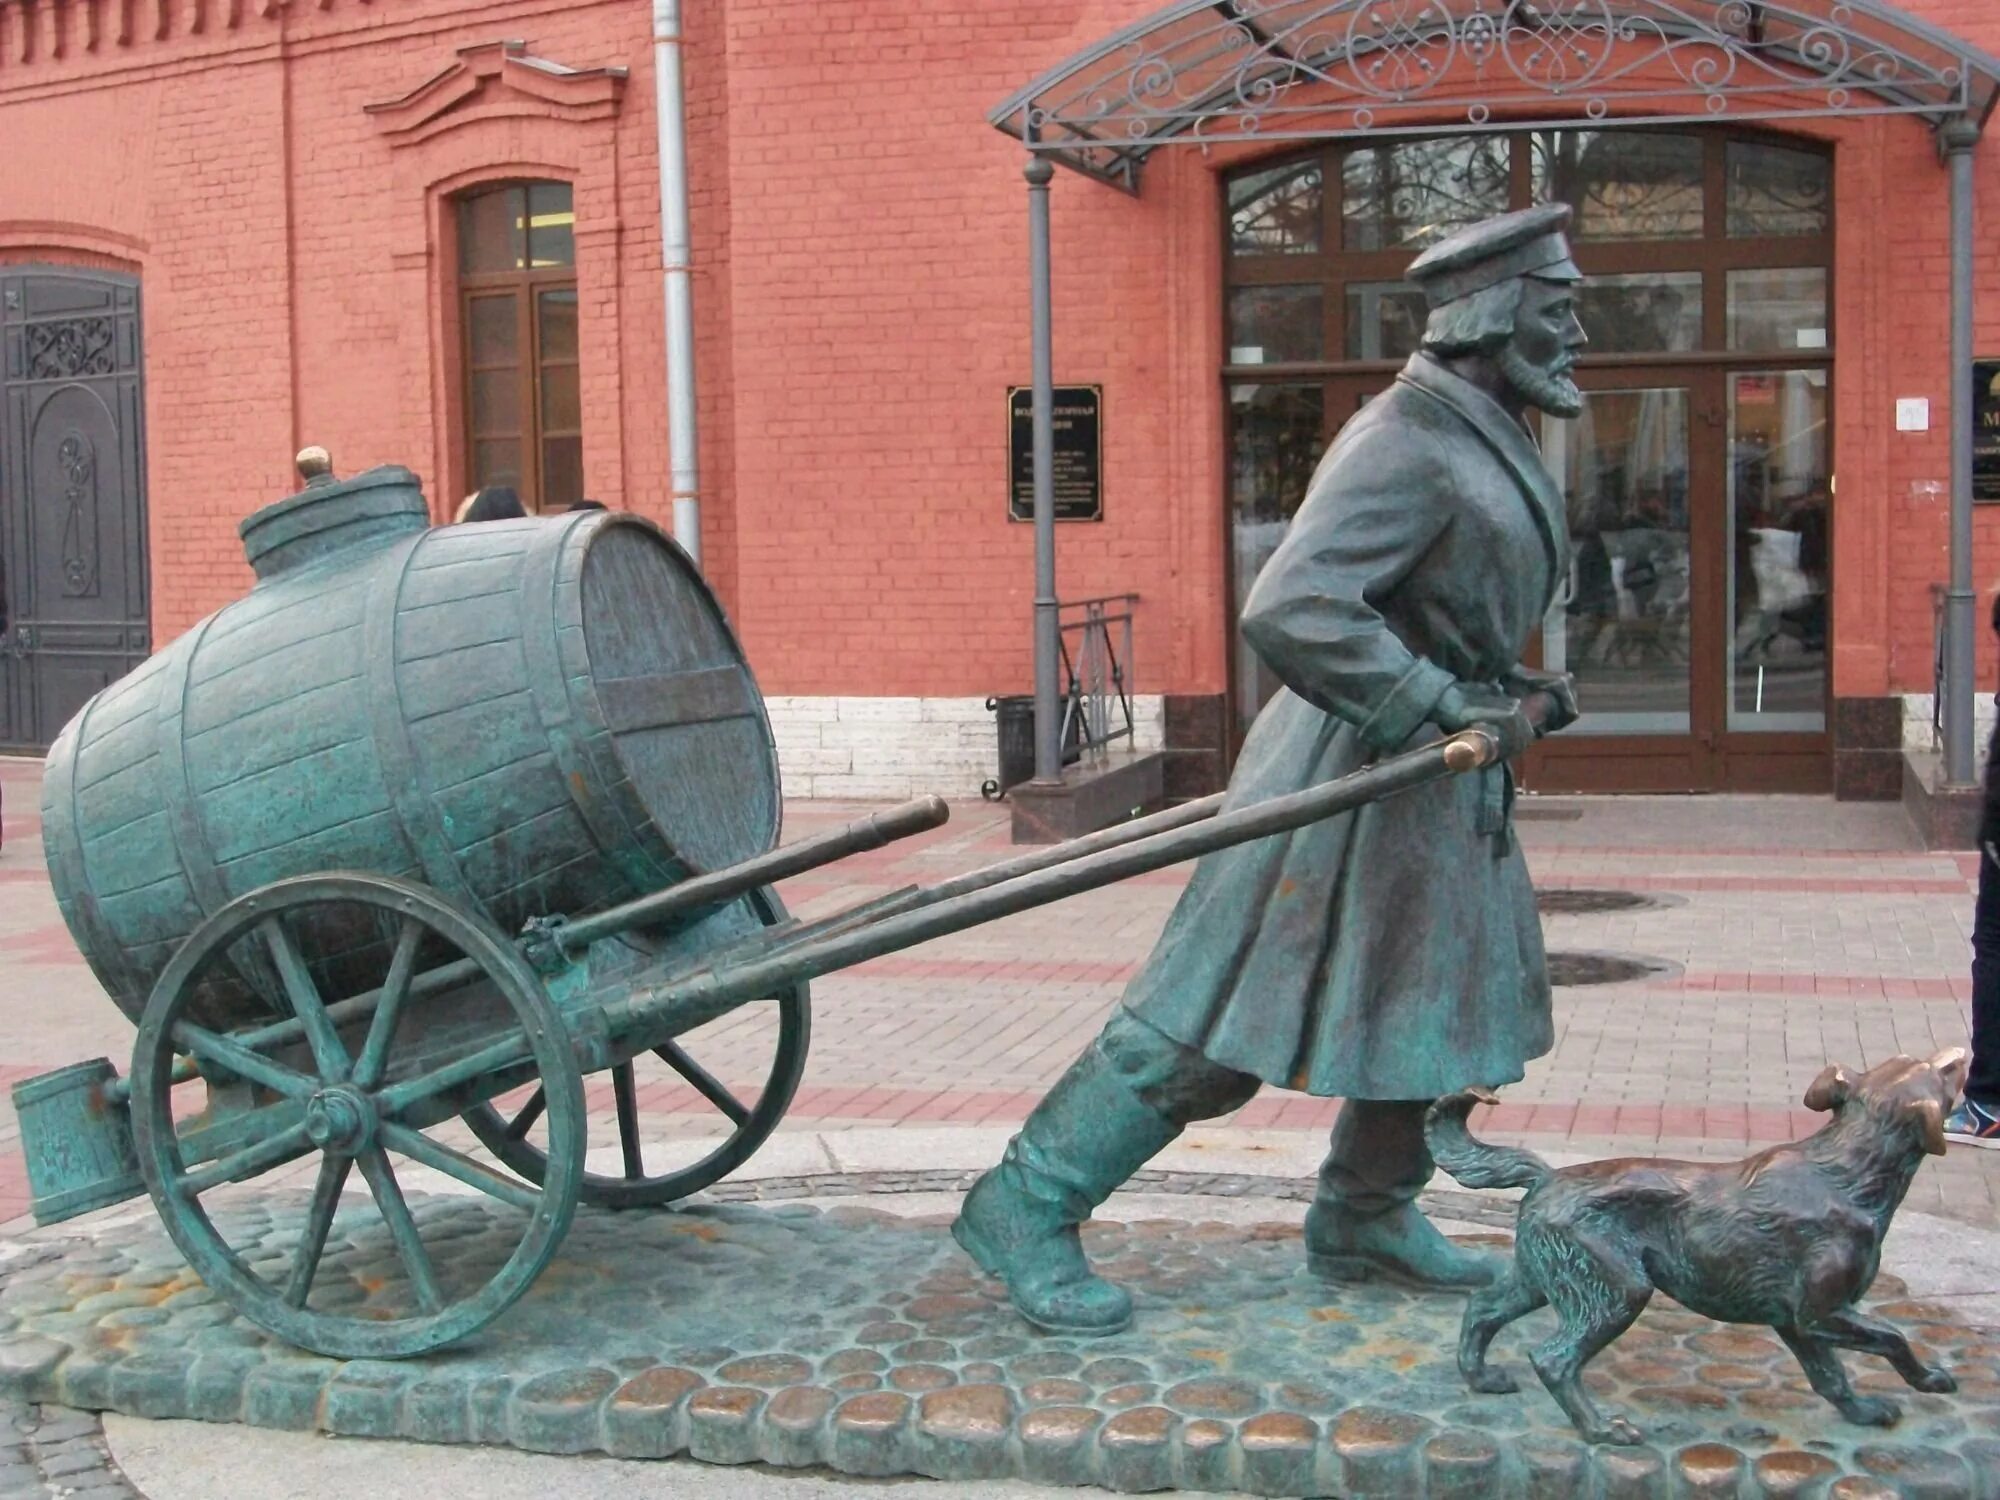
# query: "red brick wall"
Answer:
x=861 y=307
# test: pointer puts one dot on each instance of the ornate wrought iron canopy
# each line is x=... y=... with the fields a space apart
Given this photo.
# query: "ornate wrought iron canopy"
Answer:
x=1221 y=71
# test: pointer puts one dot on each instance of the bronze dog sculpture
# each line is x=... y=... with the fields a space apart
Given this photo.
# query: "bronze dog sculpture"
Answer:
x=1790 y=1238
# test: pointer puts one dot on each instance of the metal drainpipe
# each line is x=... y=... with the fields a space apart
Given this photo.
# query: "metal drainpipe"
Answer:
x=1956 y=141
x=677 y=269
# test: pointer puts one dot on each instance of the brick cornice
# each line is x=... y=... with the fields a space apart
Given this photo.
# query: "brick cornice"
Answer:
x=497 y=80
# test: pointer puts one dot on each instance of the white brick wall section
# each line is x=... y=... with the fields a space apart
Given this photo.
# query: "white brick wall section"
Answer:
x=897 y=748
x=1918 y=734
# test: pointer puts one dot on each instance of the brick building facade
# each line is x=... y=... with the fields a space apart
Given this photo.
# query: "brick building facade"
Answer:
x=261 y=201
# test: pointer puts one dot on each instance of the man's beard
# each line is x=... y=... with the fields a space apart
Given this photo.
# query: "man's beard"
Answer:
x=1548 y=389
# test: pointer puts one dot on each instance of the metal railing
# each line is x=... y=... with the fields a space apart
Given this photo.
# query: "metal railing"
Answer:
x=1938 y=593
x=1097 y=673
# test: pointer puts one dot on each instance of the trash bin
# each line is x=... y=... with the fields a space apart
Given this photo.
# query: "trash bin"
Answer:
x=1014 y=716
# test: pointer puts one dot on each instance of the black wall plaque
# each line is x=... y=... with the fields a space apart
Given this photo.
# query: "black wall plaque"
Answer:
x=1079 y=452
x=1986 y=431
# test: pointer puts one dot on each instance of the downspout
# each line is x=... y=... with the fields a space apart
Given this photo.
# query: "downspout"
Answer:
x=677 y=270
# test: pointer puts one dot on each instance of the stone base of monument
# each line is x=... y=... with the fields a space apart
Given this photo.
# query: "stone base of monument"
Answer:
x=865 y=1342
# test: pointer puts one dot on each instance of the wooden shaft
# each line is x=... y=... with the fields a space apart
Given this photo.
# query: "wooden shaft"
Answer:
x=692 y=998
x=706 y=892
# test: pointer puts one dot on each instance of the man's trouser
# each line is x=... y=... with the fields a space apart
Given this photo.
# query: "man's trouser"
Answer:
x=1377 y=1158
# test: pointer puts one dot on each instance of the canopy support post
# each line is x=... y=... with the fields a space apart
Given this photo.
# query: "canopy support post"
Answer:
x=1048 y=628
x=1957 y=140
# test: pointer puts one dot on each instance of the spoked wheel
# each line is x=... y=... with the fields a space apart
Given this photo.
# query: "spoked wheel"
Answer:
x=511 y=1132
x=356 y=1081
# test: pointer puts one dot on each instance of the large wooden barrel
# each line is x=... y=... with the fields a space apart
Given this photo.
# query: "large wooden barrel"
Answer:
x=531 y=716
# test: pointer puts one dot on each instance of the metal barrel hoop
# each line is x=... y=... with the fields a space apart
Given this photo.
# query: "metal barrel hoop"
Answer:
x=356 y=1080
x=507 y=1135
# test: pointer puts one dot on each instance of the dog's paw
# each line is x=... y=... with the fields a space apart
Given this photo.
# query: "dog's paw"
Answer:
x=1871 y=1411
x=1935 y=1380
x=1491 y=1380
x=1617 y=1431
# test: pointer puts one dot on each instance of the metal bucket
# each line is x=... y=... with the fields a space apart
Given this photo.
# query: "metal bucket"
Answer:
x=78 y=1143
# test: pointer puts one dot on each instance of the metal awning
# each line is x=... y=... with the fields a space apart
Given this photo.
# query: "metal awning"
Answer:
x=1213 y=72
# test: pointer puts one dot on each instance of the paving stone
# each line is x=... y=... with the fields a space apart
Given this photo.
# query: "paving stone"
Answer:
x=1279 y=1449
x=277 y=1395
x=1708 y=1469
x=963 y=1432
x=558 y=1412
x=1136 y=1448
x=26 y=1357
x=1207 y=1456
x=366 y=1398
x=868 y=1433
x=722 y=1424
x=1380 y=1451
x=1917 y=1473
x=1630 y=1474
x=794 y=1421
x=1461 y=1465
x=1241 y=1371
x=58 y=1465
x=1792 y=1473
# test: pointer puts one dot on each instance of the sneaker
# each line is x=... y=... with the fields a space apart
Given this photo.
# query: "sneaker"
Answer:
x=1973 y=1125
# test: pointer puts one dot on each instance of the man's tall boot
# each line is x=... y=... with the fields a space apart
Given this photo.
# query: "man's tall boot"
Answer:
x=1364 y=1222
x=1088 y=1135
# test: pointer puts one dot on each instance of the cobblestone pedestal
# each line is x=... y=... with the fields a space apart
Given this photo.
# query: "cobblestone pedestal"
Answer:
x=847 y=1337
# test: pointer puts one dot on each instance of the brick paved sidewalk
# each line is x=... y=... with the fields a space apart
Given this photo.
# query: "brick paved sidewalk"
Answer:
x=1795 y=931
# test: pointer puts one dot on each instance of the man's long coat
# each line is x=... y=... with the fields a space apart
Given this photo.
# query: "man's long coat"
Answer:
x=1392 y=952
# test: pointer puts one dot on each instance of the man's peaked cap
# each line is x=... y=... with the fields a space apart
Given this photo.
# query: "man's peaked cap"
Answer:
x=1530 y=242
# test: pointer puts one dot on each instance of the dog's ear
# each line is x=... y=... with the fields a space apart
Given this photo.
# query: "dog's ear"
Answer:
x=1932 y=1114
x=1830 y=1089
x=1952 y=1066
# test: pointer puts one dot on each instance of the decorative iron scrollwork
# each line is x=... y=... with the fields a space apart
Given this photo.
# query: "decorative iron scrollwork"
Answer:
x=77 y=459
x=73 y=347
x=1304 y=69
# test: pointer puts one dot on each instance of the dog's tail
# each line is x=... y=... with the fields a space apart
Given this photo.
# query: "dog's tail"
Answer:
x=1473 y=1162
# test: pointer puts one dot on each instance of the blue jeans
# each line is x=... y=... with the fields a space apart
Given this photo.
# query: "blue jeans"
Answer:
x=1982 y=1085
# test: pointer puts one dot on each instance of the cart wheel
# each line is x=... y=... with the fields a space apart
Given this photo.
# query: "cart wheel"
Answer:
x=356 y=1082
x=508 y=1139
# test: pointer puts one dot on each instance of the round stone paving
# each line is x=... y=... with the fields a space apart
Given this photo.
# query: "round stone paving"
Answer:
x=865 y=1342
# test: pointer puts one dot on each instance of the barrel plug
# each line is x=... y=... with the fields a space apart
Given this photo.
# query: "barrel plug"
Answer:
x=315 y=465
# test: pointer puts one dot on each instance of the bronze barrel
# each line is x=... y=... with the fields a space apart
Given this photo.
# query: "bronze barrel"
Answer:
x=534 y=716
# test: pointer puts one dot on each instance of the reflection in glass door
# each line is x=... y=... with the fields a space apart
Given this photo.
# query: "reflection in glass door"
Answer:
x=1278 y=433
x=1779 y=504
x=1623 y=624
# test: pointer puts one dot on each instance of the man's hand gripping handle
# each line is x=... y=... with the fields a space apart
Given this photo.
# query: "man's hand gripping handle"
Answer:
x=1487 y=742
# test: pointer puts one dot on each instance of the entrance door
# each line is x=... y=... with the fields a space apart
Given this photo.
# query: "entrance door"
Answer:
x=1695 y=615
x=72 y=495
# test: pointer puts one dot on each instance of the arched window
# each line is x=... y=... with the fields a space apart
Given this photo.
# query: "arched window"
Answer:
x=517 y=289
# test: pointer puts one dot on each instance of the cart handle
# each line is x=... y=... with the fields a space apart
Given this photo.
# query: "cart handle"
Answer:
x=725 y=981
x=706 y=892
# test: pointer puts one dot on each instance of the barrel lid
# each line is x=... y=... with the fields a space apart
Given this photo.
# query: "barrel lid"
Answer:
x=331 y=515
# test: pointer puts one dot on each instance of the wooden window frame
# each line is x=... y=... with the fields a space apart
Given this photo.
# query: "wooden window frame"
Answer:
x=526 y=287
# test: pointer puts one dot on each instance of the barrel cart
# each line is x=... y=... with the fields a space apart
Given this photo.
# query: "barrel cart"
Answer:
x=426 y=828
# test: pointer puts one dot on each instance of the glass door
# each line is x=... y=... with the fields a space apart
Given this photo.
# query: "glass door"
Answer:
x=1278 y=432
x=1695 y=618
x=1637 y=613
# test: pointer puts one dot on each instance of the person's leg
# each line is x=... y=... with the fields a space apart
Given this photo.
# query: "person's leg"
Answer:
x=1131 y=1092
x=1976 y=1121
x=1982 y=1083
x=1364 y=1221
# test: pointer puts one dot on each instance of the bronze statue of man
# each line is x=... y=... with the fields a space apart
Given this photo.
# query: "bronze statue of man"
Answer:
x=1392 y=954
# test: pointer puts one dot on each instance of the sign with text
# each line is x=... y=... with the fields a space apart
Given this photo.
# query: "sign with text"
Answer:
x=1986 y=430
x=1079 y=452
